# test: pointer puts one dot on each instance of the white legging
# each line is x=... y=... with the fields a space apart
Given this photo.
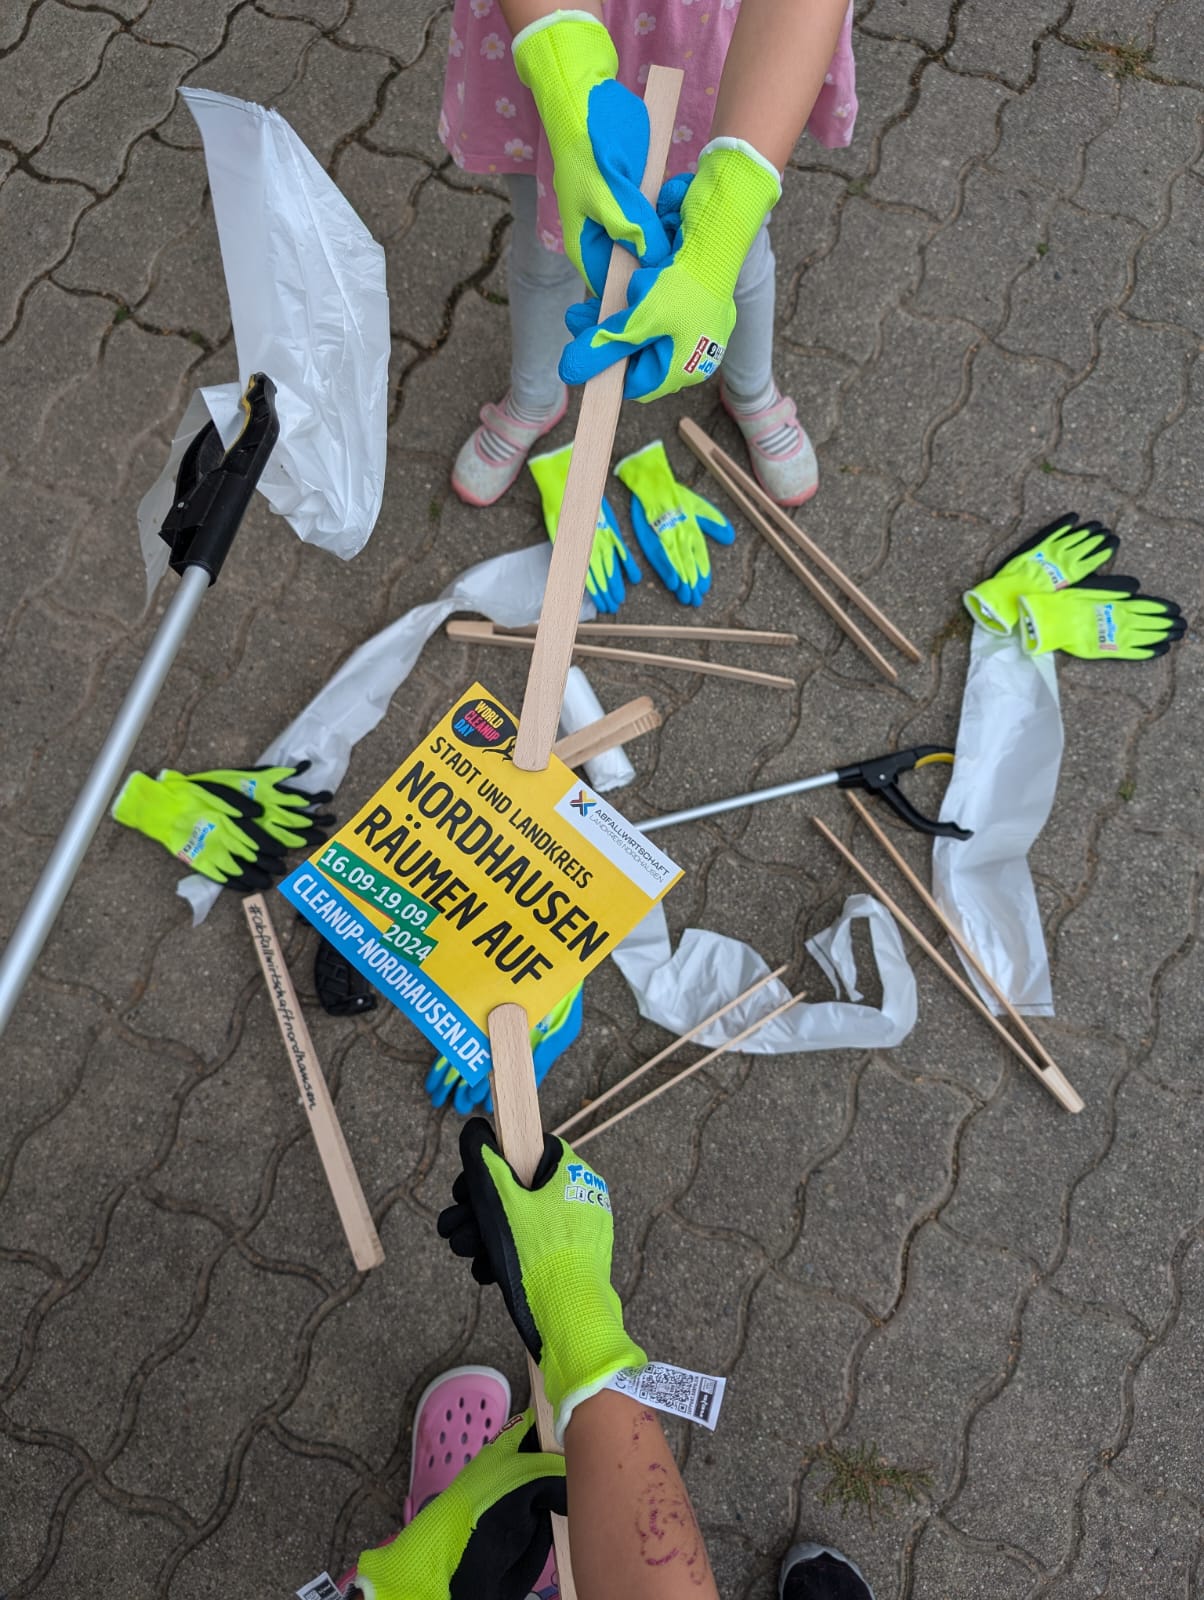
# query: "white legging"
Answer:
x=544 y=283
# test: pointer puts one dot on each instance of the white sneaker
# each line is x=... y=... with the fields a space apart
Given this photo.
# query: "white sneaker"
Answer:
x=779 y=449
x=492 y=457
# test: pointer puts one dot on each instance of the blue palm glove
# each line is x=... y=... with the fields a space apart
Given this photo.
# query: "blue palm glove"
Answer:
x=603 y=580
x=672 y=523
x=679 y=316
x=550 y=1038
x=597 y=134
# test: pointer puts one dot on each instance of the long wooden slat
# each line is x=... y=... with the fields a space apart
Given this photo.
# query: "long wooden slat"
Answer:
x=484 y=633
x=913 y=878
x=662 y=1055
x=694 y=437
x=362 y=1237
x=753 y=491
x=671 y=630
x=687 y=1072
x=1054 y=1081
x=515 y=1097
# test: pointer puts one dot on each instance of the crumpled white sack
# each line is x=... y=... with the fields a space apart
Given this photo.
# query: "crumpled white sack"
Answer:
x=678 y=989
x=1009 y=752
x=306 y=284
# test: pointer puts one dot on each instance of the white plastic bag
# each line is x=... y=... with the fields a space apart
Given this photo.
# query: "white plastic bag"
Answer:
x=306 y=282
x=1009 y=751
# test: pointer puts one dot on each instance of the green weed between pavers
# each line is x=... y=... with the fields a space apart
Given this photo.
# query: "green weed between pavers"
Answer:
x=1119 y=59
x=860 y=1477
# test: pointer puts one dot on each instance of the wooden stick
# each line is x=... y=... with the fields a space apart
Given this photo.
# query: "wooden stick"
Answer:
x=752 y=490
x=1053 y=1080
x=688 y=1072
x=627 y=722
x=592 y=442
x=483 y=633
x=515 y=1098
x=670 y=1049
x=366 y=1248
x=791 y=558
x=672 y=630
x=1018 y=1022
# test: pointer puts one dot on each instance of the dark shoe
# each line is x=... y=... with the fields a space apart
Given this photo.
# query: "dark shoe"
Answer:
x=817 y=1572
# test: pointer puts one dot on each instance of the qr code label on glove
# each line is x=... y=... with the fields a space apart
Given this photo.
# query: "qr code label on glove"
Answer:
x=677 y=1390
x=323 y=1587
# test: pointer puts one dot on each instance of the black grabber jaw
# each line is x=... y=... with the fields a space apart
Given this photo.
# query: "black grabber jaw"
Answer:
x=214 y=485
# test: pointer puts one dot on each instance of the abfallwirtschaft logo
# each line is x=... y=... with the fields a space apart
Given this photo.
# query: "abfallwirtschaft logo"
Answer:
x=583 y=802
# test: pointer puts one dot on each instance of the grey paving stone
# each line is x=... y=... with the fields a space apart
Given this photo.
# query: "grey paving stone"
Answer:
x=382 y=188
x=1046 y=131
x=899 y=1148
x=700 y=1269
x=946 y=1564
x=119 y=243
x=241 y=1351
x=35 y=1475
x=377 y=25
x=141 y=1292
x=1156 y=924
x=844 y=297
x=1175 y=485
x=60 y=52
x=188 y=295
x=408 y=120
x=1177 y=35
x=94 y=1524
x=15 y=22
x=898 y=397
x=1131 y=165
x=1004 y=427
x=971 y=262
x=1164 y=275
x=91 y=133
x=451 y=240
x=46 y=522
x=1002 y=42
x=1129 y=1212
x=1081 y=270
x=925 y=1372
x=1167 y=1396
x=1114 y=20
x=924 y=156
x=43 y=215
x=351 y=1368
x=336 y=92
x=790 y=1381
x=925 y=20
x=1130 y=1540
x=200 y=29
x=1059 y=1410
x=760 y=1144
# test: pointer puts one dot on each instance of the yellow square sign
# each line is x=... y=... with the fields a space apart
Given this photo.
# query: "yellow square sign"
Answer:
x=464 y=882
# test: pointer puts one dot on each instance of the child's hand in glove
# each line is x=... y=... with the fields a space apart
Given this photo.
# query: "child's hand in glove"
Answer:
x=679 y=316
x=549 y=1250
x=672 y=523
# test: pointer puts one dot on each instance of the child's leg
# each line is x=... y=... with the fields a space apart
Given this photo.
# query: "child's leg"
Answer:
x=541 y=284
x=780 y=451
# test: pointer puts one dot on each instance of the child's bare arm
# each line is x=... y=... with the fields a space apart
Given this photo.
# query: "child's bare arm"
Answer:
x=632 y=1528
x=774 y=70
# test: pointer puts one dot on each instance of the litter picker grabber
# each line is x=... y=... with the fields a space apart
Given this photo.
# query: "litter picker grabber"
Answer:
x=515 y=1098
x=213 y=489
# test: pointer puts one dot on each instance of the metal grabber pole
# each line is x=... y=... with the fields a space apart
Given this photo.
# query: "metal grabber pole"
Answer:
x=213 y=488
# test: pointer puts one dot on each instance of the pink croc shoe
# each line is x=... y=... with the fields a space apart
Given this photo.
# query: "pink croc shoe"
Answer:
x=458 y=1413
x=778 y=447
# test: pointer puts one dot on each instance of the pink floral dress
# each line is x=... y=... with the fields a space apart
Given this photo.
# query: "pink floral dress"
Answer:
x=489 y=122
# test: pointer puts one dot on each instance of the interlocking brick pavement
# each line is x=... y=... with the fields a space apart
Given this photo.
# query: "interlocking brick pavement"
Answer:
x=989 y=309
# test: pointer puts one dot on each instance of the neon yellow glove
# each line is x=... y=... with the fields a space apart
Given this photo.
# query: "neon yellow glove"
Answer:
x=1106 y=622
x=679 y=317
x=672 y=523
x=1063 y=552
x=549 y=1249
x=202 y=831
x=603 y=581
x=256 y=794
x=488 y=1533
x=597 y=133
